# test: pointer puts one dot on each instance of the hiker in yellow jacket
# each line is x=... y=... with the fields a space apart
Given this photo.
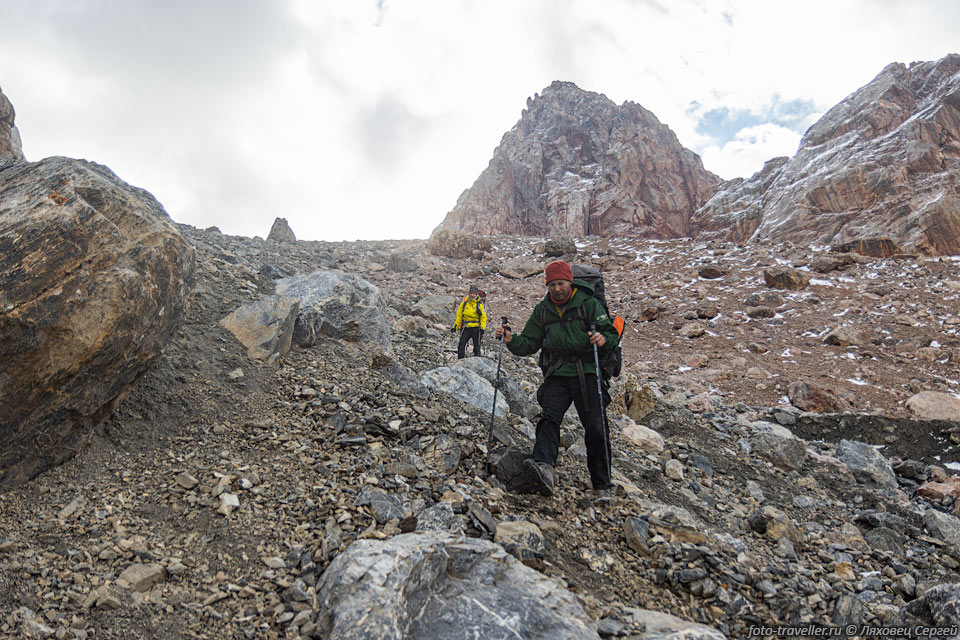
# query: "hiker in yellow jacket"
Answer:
x=471 y=321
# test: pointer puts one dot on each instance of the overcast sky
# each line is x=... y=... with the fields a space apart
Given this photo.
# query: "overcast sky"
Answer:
x=366 y=119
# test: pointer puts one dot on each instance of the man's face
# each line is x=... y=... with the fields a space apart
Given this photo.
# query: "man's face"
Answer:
x=559 y=289
x=472 y=295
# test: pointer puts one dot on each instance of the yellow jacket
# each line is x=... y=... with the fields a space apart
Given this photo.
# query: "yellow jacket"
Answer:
x=470 y=313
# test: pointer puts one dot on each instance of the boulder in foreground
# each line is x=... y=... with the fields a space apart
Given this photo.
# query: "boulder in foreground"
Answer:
x=95 y=281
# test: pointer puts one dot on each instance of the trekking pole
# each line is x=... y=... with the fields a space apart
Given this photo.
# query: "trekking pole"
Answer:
x=496 y=387
x=603 y=414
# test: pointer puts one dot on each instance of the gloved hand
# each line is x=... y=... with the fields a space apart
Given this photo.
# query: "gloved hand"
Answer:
x=481 y=334
x=453 y=329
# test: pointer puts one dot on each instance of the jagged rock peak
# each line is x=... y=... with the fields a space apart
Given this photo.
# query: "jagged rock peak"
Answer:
x=882 y=164
x=578 y=164
x=10 y=145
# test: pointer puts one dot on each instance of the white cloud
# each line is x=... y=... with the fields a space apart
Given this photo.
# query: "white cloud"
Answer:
x=367 y=119
x=745 y=154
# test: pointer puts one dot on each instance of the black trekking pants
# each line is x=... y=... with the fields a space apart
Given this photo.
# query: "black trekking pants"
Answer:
x=469 y=333
x=555 y=395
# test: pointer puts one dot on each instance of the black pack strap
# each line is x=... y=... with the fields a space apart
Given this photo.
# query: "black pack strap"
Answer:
x=559 y=363
x=583 y=385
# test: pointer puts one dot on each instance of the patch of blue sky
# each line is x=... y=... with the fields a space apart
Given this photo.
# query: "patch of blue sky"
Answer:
x=723 y=124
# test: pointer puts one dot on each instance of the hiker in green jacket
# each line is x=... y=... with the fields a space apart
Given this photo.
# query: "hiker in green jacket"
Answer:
x=560 y=327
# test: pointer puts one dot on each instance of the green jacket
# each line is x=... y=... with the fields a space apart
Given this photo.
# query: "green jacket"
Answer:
x=566 y=338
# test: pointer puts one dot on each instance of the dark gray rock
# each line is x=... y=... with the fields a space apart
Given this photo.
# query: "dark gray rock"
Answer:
x=439 y=518
x=848 y=610
x=385 y=507
x=939 y=606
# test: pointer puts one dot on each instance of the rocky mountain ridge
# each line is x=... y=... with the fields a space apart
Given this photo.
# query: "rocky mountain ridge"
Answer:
x=883 y=165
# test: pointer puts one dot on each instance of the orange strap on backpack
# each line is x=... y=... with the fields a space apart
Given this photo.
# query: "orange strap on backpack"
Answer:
x=618 y=325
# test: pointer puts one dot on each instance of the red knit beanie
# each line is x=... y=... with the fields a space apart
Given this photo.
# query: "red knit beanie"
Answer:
x=558 y=270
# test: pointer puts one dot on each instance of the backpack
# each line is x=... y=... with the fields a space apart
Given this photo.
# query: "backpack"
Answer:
x=610 y=364
x=481 y=301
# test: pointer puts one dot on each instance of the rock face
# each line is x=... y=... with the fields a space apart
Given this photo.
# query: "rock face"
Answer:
x=879 y=169
x=95 y=280
x=430 y=586
x=9 y=136
x=578 y=164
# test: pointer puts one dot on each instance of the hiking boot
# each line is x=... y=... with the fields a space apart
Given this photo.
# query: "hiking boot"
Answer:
x=542 y=475
x=602 y=495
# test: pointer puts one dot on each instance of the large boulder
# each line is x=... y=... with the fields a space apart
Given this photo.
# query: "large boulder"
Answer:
x=464 y=384
x=937 y=608
x=519 y=400
x=935 y=405
x=438 y=308
x=442 y=587
x=779 y=446
x=337 y=305
x=95 y=280
x=867 y=464
x=455 y=244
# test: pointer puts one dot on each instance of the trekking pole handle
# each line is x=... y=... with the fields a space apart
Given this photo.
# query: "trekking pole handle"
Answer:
x=503 y=320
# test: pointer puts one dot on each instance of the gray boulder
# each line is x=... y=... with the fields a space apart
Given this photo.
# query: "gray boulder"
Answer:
x=942 y=525
x=937 y=607
x=780 y=447
x=445 y=588
x=465 y=385
x=867 y=464
x=437 y=308
x=338 y=305
x=519 y=400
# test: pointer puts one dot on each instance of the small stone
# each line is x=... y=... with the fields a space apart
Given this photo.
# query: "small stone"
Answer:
x=228 y=502
x=141 y=577
x=673 y=469
x=187 y=481
x=35 y=629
